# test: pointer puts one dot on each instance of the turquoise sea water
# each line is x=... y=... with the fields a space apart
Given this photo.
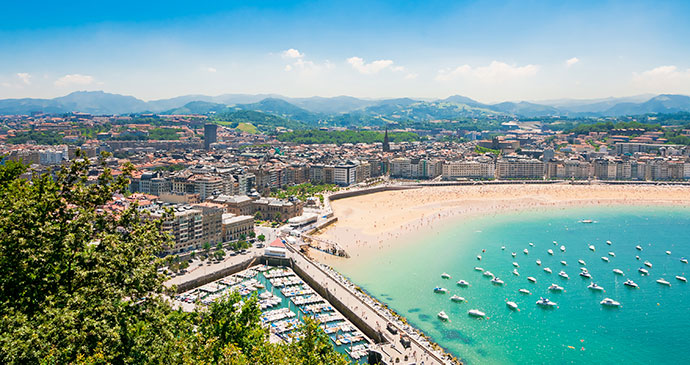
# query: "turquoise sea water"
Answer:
x=652 y=326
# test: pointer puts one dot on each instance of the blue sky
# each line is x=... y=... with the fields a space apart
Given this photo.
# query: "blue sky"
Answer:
x=487 y=50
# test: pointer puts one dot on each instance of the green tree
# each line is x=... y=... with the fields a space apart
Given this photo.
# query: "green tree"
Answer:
x=252 y=234
x=258 y=216
x=261 y=238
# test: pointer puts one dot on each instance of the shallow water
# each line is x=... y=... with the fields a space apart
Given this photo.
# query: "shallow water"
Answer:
x=651 y=326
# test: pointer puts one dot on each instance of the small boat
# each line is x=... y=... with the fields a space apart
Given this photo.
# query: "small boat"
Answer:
x=563 y=275
x=497 y=281
x=550 y=251
x=610 y=302
x=604 y=258
x=476 y=313
x=586 y=221
x=663 y=282
x=531 y=244
x=516 y=264
x=643 y=271
x=648 y=264
x=548 y=270
x=440 y=290
x=488 y=274
x=585 y=274
x=555 y=243
x=631 y=284
x=525 y=251
x=563 y=248
x=594 y=286
x=612 y=254
x=638 y=247
x=591 y=247
x=512 y=305
x=503 y=247
x=581 y=262
x=668 y=252
x=479 y=257
x=682 y=278
x=539 y=262
x=618 y=272
x=637 y=258
x=524 y=291
x=516 y=273
x=546 y=303
x=684 y=260
x=531 y=279
x=608 y=243
x=445 y=276
x=443 y=315
x=477 y=268
x=456 y=298
x=463 y=283
x=555 y=287
x=513 y=253
x=564 y=263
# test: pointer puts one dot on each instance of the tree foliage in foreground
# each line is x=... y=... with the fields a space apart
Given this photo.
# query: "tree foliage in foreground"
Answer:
x=79 y=285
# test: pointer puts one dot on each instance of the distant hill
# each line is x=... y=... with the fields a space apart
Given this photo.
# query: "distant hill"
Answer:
x=197 y=107
x=282 y=108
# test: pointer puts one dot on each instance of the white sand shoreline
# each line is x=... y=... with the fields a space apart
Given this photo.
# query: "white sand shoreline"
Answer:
x=373 y=223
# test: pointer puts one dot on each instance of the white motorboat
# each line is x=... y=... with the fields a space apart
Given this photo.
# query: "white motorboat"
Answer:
x=550 y=251
x=618 y=272
x=479 y=257
x=440 y=290
x=643 y=271
x=477 y=268
x=610 y=302
x=564 y=263
x=582 y=262
x=525 y=251
x=682 y=278
x=594 y=286
x=497 y=281
x=516 y=273
x=443 y=315
x=563 y=275
x=555 y=287
x=605 y=259
x=531 y=279
x=663 y=282
x=638 y=247
x=516 y=264
x=684 y=260
x=648 y=264
x=591 y=247
x=668 y=252
x=524 y=291
x=463 y=283
x=503 y=247
x=586 y=221
x=531 y=244
x=608 y=243
x=555 y=243
x=548 y=270
x=563 y=248
x=586 y=274
x=637 y=258
x=512 y=305
x=546 y=303
x=631 y=284
x=513 y=253
x=488 y=274
x=445 y=276
x=612 y=254
x=456 y=298
x=476 y=313
x=539 y=262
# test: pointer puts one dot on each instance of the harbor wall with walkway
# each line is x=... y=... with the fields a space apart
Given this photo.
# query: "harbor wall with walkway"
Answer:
x=358 y=192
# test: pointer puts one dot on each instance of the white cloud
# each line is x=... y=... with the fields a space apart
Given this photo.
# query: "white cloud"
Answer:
x=288 y=68
x=292 y=53
x=211 y=69
x=571 y=61
x=663 y=79
x=74 y=79
x=496 y=71
x=6 y=84
x=25 y=77
x=398 y=68
x=371 y=68
x=411 y=76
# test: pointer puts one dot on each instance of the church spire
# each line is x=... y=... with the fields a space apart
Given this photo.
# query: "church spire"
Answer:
x=386 y=143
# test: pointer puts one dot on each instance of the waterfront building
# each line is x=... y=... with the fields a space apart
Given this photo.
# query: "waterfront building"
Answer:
x=235 y=226
x=519 y=168
x=469 y=170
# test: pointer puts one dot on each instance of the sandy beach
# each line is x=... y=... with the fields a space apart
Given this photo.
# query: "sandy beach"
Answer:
x=376 y=222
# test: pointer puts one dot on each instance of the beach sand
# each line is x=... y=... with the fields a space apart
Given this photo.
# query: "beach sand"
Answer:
x=373 y=223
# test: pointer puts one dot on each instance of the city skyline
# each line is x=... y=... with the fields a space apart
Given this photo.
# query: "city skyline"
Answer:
x=487 y=51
